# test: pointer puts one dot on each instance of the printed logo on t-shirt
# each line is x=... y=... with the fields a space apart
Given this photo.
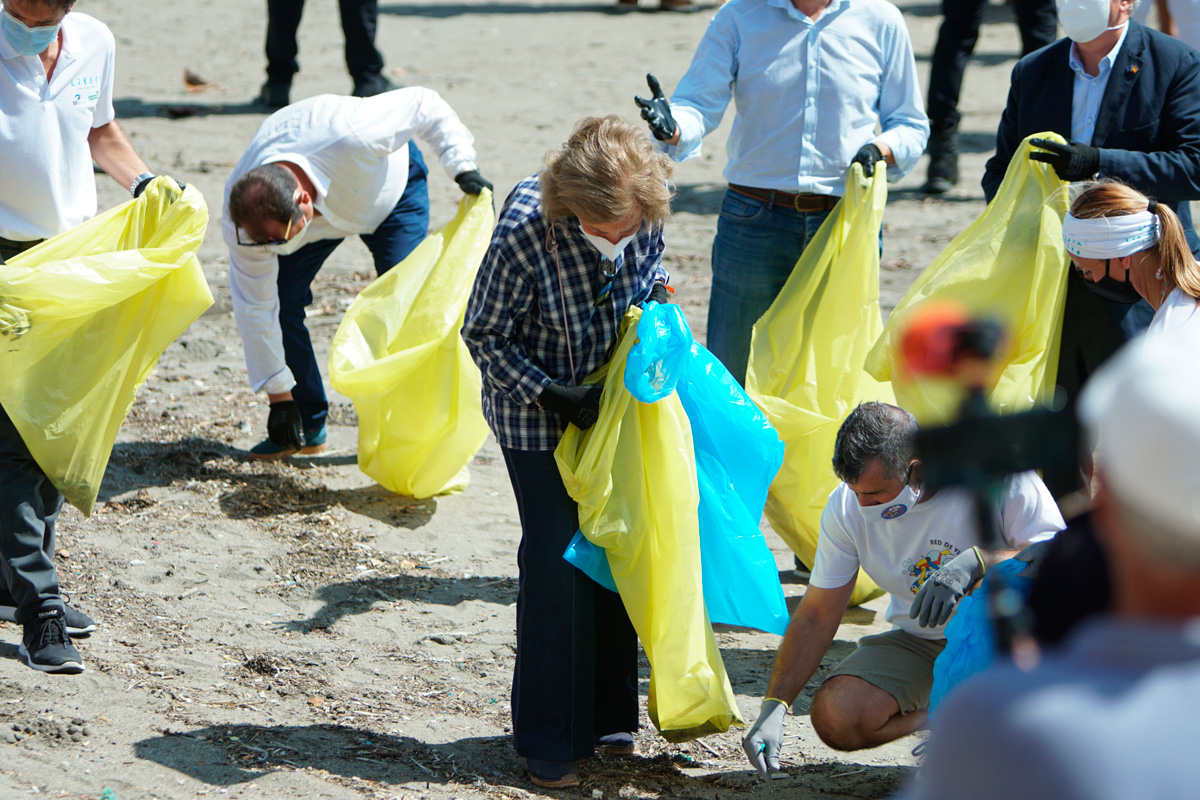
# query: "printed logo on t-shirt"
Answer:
x=926 y=565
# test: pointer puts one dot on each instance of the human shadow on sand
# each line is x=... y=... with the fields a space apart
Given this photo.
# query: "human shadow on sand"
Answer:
x=360 y=596
x=231 y=755
x=274 y=490
x=130 y=107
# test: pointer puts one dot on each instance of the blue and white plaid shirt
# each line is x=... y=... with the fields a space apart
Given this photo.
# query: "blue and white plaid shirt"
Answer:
x=521 y=316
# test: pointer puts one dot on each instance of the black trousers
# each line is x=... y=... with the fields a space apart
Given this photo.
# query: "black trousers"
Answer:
x=576 y=673
x=359 y=21
x=956 y=40
x=1093 y=330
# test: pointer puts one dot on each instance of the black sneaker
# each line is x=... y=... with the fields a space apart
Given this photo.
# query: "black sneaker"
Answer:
x=275 y=95
x=46 y=646
x=373 y=85
x=78 y=623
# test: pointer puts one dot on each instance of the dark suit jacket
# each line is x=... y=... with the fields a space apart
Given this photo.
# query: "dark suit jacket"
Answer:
x=1148 y=127
x=1148 y=132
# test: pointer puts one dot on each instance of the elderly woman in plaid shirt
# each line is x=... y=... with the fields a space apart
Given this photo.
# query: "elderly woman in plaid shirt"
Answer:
x=575 y=246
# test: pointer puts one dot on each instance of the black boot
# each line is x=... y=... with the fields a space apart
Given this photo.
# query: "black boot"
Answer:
x=943 y=161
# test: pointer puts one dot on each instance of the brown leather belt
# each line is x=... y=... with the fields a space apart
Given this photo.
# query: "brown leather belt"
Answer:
x=799 y=202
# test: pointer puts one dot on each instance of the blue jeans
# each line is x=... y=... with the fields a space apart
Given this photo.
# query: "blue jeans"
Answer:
x=753 y=255
x=396 y=237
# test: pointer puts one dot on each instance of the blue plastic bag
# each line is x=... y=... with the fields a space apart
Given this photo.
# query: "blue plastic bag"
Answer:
x=662 y=352
x=970 y=636
x=737 y=454
x=591 y=559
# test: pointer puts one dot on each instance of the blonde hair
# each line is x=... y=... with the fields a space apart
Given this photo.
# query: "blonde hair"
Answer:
x=605 y=172
x=1109 y=198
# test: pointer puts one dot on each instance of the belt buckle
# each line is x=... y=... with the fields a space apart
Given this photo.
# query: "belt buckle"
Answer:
x=796 y=203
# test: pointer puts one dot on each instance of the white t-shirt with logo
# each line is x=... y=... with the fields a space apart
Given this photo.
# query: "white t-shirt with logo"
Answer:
x=900 y=553
x=46 y=181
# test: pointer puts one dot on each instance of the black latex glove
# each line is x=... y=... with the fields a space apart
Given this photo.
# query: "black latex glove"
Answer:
x=579 y=405
x=868 y=155
x=141 y=187
x=1073 y=161
x=472 y=182
x=659 y=293
x=657 y=111
x=941 y=591
x=283 y=425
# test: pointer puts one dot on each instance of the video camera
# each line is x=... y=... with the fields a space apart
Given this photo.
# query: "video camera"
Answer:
x=982 y=448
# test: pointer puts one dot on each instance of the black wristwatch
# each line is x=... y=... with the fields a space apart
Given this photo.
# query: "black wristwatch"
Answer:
x=139 y=181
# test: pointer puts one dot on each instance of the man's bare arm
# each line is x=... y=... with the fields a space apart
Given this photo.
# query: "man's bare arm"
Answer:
x=113 y=151
x=808 y=637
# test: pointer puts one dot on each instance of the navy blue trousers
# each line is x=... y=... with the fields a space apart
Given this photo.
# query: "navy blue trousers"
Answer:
x=576 y=673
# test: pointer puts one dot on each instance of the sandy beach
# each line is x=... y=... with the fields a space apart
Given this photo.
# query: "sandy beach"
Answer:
x=293 y=630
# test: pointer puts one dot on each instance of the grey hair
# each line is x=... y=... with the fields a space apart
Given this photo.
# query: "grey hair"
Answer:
x=875 y=431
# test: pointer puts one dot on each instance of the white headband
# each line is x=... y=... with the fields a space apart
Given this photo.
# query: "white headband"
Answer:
x=1110 y=237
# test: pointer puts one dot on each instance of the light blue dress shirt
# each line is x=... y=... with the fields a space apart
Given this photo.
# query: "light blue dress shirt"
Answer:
x=807 y=93
x=1087 y=91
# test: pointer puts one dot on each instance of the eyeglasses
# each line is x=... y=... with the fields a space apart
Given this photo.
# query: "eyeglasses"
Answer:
x=272 y=243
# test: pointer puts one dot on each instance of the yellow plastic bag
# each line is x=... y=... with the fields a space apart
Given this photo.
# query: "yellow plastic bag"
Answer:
x=633 y=475
x=806 y=359
x=1009 y=264
x=84 y=317
x=397 y=354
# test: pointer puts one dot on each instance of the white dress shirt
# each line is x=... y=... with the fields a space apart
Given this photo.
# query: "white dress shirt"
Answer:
x=355 y=152
x=808 y=93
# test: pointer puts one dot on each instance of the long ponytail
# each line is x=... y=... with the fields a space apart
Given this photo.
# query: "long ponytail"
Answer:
x=1109 y=198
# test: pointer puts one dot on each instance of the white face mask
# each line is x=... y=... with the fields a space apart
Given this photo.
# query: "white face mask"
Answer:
x=607 y=249
x=1084 y=20
x=295 y=243
x=894 y=508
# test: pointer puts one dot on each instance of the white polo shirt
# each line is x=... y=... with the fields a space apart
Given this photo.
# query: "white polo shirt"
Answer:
x=355 y=152
x=46 y=181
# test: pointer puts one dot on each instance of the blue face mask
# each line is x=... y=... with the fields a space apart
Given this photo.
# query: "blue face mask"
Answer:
x=25 y=40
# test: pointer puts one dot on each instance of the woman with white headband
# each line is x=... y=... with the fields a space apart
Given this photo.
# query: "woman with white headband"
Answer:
x=1127 y=247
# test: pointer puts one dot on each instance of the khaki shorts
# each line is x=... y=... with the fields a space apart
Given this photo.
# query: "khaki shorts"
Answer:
x=897 y=662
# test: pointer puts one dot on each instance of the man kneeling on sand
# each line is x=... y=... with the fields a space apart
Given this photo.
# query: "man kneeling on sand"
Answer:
x=922 y=547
